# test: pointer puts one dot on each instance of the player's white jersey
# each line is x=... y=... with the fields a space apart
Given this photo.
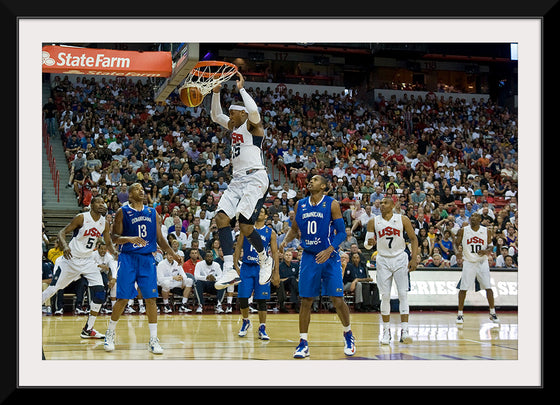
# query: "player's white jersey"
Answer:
x=473 y=242
x=245 y=150
x=83 y=242
x=389 y=235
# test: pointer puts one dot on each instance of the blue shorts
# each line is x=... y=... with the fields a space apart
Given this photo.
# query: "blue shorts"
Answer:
x=320 y=279
x=135 y=269
x=250 y=282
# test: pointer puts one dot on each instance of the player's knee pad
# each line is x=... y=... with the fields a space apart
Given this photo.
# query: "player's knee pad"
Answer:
x=97 y=294
x=385 y=307
x=261 y=305
x=403 y=303
x=243 y=303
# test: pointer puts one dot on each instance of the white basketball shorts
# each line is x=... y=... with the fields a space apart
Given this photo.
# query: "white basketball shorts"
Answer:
x=72 y=269
x=243 y=193
x=389 y=269
x=475 y=270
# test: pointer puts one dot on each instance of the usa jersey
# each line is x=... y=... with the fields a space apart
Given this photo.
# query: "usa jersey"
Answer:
x=390 y=236
x=84 y=239
x=246 y=153
x=139 y=223
x=250 y=255
x=314 y=222
x=473 y=242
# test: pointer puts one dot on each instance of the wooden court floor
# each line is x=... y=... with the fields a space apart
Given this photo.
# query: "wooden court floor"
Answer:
x=210 y=336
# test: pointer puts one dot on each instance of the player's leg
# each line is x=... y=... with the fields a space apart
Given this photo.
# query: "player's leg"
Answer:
x=384 y=279
x=468 y=275
x=334 y=288
x=402 y=283
x=309 y=287
x=483 y=277
x=255 y=188
x=97 y=298
x=262 y=293
x=147 y=284
x=244 y=292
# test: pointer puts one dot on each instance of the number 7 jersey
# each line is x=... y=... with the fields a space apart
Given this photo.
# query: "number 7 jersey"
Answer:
x=390 y=236
x=139 y=223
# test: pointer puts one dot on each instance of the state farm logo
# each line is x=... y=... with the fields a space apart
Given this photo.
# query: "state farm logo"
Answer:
x=47 y=60
x=99 y=60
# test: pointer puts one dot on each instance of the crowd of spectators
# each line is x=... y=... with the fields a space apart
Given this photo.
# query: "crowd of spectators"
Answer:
x=440 y=157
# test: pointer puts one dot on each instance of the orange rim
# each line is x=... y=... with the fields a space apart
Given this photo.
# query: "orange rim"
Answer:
x=223 y=68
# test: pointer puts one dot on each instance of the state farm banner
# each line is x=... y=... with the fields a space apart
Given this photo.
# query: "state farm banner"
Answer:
x=89 y=61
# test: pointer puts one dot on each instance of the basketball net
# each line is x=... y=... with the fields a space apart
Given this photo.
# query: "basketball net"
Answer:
x=208 y=74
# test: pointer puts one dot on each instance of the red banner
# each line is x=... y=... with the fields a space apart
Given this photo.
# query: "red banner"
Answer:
x=89 y=61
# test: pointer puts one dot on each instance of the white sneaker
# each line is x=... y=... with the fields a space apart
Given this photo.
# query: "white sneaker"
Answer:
x=265 y=274
x=154 y=347
x=386 y=336
x=230 y=277
x=109 y=343
x=494 y=318
x=219 y=309
x=459 y=319
x=405 y=337
x=199 y=309
x=142 y=309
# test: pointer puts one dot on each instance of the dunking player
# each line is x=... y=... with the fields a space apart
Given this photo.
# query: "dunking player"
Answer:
x=249 y=273
x=248 y=188
x=475 y=240
x=316 y=217
x=77 y=259
x=388 y=230
x=137 y=229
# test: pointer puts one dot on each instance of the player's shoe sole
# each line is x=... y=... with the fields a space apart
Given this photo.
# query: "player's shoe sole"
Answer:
x=229 y=278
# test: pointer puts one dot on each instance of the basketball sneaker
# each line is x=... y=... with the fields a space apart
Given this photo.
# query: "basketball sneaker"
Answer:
x=91 y=334
x=265 y=274
x=167 y=309
x=459 y=319
x=494 y=318
x=109 y=343
x=349 y=344
x=302 y=350
x=405 y=337
x=262 y=333
x=386 y=338
x=244 y=328
x=154 y=347
x=183 y=308
x=230 y=277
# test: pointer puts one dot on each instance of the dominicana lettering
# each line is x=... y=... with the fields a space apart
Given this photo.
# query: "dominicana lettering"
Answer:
x=140 y=218
x=312 y=214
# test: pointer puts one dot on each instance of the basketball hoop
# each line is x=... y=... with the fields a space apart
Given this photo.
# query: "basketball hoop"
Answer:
x=207 y=74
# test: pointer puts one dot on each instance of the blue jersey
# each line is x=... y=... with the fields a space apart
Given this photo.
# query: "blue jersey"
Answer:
x=139 y=223
x=315 y=224
x=250 y=255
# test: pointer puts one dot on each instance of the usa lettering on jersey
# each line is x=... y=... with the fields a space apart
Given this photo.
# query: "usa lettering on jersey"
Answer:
x=389 y=231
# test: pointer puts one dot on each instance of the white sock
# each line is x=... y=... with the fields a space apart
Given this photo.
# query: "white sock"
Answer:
x=303 y=336
x=112 y=324
x=347 y=328
x=166 y=301
x=229 y=299
x=90 y=322
x=184 y=300
x=153 y=329
x=386 y=325
x=493 y=311
x=460 y=313
x=404 y=325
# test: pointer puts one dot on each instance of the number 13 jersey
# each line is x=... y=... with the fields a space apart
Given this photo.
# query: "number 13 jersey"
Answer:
x=139 y=223
x=389 y=234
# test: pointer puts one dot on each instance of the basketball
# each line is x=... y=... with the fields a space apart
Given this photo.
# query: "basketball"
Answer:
x=191 y=96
